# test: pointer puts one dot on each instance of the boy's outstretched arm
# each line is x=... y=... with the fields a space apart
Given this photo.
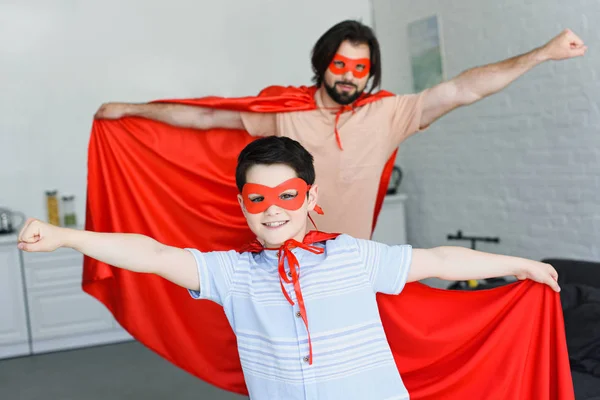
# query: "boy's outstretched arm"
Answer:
x=460 y=264
x=133 y=252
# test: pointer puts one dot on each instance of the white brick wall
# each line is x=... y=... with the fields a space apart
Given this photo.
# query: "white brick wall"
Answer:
x=524 y=164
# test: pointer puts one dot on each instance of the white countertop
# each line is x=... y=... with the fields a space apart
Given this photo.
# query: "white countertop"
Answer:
x=395 y=198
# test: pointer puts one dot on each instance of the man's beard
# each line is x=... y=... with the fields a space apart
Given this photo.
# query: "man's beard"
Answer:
x=342 y=98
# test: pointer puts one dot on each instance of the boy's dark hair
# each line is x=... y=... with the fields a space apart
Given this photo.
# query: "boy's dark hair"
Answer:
x=275 y=150
x=327 y=45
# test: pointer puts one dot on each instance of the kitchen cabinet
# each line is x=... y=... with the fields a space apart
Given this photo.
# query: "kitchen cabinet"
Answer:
x=62 y=316
x=14 y=334
x=43 y=307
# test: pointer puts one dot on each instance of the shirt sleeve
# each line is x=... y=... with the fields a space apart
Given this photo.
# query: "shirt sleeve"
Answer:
x=406 y=113
x=387 y=266
x=215 y=271
x=260 y=124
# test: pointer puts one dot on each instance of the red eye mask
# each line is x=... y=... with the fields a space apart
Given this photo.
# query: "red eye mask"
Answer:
x=352 y=65
x=265 y=196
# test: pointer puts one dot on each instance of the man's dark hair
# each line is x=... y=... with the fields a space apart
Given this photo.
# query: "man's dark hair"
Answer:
x=275 y=150
x=327 y=45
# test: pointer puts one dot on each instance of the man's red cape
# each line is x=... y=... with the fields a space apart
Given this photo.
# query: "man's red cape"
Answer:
x=177 y=185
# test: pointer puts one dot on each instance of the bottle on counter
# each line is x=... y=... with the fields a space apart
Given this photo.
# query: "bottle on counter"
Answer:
x=52 y=207
x=68 y=207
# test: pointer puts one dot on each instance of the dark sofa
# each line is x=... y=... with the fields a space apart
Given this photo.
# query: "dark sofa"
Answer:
x=580 y=298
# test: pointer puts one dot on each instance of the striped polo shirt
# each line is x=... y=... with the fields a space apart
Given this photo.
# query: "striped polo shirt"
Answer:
x=351 y=355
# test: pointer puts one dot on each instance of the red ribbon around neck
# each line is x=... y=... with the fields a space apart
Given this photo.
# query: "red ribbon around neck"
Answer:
x=285 y=253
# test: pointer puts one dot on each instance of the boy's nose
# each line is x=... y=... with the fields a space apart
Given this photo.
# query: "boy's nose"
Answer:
x=273 y=210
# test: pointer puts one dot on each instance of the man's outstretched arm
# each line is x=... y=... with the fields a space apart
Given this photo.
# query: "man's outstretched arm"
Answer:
x=181 y=115
x=477 y=83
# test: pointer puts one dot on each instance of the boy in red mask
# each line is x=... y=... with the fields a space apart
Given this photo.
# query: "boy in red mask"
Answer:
x=303 y=306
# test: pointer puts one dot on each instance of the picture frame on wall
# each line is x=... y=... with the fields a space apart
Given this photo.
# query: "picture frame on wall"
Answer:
x=425 y=46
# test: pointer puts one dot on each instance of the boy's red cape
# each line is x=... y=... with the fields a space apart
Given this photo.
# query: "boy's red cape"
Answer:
x=177 y=185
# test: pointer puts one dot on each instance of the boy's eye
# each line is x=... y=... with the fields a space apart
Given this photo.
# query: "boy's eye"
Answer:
x=339 y=64
x=360 y=67
x=288 y=196
x=256 y=199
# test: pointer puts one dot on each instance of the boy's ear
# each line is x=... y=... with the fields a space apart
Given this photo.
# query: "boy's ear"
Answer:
x=313 y=197
x=241 y=201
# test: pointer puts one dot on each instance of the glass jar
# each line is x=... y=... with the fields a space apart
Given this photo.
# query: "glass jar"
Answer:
x=68 y=206
x=52 y=207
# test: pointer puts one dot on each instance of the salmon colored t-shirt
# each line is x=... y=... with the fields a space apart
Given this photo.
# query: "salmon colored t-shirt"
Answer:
x=348 y=179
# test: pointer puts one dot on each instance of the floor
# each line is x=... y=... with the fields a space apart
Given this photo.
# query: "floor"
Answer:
x=120 y=371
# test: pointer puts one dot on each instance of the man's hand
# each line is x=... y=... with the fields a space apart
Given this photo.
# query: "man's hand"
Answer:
x=38 y=236
x=565 y=45
x=112 y=111
x=540 y=272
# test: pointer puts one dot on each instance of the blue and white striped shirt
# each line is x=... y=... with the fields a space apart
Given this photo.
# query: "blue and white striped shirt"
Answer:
x=351 y=355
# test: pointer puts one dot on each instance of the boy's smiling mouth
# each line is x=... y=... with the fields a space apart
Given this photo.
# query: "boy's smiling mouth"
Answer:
x=275 y=224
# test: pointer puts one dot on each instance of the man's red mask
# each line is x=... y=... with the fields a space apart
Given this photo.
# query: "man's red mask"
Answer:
x=289 y=195
x=360 y=67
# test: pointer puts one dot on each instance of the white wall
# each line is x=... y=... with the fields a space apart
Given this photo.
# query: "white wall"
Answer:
x=523 y=165
x=59 y=60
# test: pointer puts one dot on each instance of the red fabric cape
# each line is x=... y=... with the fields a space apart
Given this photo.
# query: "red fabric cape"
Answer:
x=177 y=185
